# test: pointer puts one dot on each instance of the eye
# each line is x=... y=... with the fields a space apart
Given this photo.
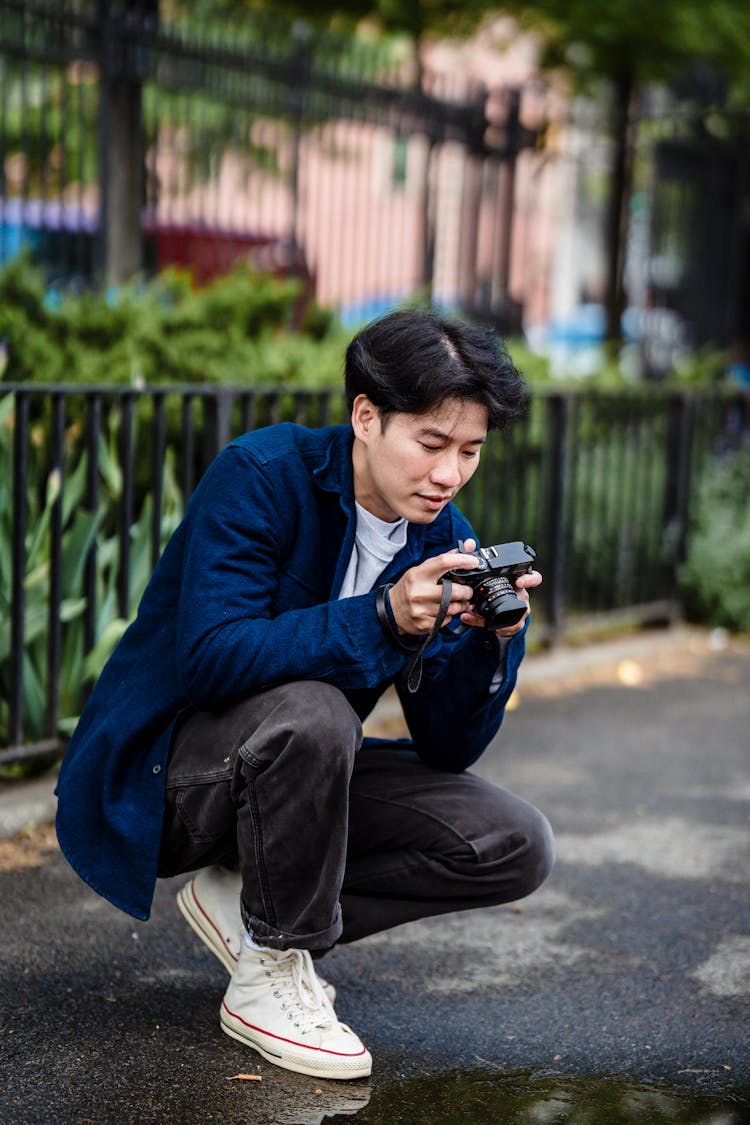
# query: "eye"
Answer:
x=430 y=448
x=471 y=453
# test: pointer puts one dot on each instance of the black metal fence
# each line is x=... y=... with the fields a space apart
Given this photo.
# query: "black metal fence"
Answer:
x=129 y=141
x=93 y=481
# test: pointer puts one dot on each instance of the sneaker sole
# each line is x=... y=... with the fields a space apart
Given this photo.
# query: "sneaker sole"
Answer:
x=273 y=1050
x=202 y=925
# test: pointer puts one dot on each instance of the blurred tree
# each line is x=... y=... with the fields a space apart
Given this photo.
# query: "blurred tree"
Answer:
x=630 y=43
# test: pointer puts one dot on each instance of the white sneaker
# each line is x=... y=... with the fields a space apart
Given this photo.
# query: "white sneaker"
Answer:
x=210 y=903
x=276 y=1005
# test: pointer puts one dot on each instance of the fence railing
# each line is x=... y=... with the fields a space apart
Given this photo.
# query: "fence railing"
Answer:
x=93 y=480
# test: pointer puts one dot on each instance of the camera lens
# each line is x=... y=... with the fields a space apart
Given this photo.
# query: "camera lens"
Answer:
x=495 y=600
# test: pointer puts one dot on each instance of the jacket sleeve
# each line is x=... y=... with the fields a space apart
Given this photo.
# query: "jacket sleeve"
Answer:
x=231 y=641
x=452 y=718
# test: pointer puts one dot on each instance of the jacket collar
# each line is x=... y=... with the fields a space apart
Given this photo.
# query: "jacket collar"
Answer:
x=335 y=472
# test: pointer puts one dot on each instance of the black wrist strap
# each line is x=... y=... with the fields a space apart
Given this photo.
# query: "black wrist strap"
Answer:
x=412 y=673
x=388 y=621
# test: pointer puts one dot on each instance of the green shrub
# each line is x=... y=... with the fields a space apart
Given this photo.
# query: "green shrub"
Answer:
x=244 y=329
x=715 y=578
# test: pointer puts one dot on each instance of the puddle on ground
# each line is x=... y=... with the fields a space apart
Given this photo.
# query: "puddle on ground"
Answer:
x=482 y=1098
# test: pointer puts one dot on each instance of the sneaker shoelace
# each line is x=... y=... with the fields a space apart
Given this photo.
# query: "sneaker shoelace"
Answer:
x=294 y=981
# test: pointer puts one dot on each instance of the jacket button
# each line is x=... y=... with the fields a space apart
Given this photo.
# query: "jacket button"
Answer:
x=488 y=644
x=156 y=769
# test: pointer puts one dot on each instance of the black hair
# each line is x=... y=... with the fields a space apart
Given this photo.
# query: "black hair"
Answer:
x=411 y=361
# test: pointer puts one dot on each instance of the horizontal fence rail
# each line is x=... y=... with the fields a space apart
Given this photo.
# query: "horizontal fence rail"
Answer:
x=93 y=480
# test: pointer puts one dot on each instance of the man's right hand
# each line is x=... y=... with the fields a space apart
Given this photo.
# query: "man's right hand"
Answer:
x=415 y=598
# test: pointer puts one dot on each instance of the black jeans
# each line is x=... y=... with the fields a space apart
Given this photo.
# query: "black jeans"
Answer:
x=336 y=839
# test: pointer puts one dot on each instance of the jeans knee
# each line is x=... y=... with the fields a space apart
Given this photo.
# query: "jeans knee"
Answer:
x=322 y=715
x=538 y=853
x=314 y=722
x=513 y=844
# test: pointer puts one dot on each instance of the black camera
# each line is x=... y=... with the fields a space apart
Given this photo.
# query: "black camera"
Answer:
x=492 y=581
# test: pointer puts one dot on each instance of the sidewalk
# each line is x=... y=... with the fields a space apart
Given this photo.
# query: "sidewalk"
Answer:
x=631 y=965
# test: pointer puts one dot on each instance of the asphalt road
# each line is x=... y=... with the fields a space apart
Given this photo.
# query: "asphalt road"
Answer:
x=617 y=993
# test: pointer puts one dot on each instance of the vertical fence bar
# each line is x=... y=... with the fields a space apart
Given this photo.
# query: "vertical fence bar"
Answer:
x=18 y=566
x=676 y=498
x=126 y=505
x=159 y=453
x=54 y=627
x=93 y=430
x=557 y=415
x=577 y=500
x=188 y=447
x=217 y=407
x=248 y=410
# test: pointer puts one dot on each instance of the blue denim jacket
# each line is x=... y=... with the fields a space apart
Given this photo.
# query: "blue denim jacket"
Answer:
x=244 y=598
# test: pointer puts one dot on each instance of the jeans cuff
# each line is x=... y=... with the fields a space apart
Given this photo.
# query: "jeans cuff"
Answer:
x=275 y=938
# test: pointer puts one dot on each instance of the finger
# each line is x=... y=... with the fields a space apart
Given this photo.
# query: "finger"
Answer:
x=511 y=630
x=528 y=581
x=434 y=569
x=460 y=593
x=471 y=618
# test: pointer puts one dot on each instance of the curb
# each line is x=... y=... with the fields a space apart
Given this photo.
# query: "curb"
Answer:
x=27 y=805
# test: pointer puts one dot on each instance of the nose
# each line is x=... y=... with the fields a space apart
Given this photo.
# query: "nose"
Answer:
x=445 y=472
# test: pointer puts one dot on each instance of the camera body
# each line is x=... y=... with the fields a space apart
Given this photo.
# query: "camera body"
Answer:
x=493 y=580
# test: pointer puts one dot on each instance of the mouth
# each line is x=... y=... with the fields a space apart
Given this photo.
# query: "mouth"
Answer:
x=435 y=501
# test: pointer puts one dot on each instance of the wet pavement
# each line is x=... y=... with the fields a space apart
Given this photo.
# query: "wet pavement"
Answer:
x=617 y=993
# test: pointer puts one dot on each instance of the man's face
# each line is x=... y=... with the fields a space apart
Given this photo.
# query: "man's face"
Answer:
x=417 y=463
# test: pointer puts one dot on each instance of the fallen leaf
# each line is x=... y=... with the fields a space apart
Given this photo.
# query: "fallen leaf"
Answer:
x=498 y=1066
x=317 y=1091
x=725 y=1066
x=244 y=1078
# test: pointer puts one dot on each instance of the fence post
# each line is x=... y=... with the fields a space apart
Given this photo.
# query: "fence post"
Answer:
x=551 y=562
x=18 y=567
x=217 y=408
x=502 y=308
x=54 y=622
x=471 y=203
x=121 y=156
x=677 y=489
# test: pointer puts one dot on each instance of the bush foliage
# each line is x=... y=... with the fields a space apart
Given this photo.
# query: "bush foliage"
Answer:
x=244 y=329
x=715 y=577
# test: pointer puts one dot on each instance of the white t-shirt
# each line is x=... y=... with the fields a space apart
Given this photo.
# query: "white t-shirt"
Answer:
x=376 y=543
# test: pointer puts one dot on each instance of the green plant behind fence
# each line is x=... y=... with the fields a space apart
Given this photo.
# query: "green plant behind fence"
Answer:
x=82 y=531
x=715 y=577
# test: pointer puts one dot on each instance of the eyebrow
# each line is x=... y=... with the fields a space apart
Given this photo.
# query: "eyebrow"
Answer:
x=441 y=435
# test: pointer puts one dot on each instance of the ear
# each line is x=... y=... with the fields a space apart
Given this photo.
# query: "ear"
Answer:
x=365 y=418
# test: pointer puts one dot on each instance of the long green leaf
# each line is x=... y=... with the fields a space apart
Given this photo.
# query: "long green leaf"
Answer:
x=77 y=545
x=34 y=699
x=75 y=488
x=104 y=647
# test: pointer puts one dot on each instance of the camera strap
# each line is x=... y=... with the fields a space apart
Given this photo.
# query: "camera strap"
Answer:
x=412 y=672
